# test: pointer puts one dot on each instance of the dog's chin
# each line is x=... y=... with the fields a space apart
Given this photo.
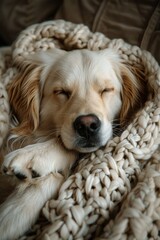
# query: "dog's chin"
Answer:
x=78 y=148
x=86 y=149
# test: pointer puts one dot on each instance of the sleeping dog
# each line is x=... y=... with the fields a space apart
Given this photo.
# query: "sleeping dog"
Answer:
x=65 y=103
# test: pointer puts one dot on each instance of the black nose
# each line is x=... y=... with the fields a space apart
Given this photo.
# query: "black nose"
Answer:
x=87 y=125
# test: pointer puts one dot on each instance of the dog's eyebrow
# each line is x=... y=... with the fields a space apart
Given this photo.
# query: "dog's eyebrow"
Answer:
x=103 y=83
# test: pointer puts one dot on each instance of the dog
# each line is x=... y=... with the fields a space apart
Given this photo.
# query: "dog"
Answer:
x=63 y=104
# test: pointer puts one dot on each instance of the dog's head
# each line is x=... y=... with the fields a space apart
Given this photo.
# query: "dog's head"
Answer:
x=76 y=95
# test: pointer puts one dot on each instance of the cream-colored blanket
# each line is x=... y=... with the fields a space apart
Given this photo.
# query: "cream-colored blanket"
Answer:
x=113 y=193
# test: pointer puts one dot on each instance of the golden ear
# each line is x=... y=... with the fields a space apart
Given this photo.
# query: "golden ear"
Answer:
x=24 y=91
x=134 y=91
x=24 y=98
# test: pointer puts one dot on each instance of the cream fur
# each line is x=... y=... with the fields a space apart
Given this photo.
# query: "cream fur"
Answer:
x=51 y=91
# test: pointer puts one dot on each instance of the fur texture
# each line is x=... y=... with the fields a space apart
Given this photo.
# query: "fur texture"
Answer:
x=65 y=103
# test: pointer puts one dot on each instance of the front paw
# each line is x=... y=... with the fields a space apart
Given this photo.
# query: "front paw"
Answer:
x=28 y=162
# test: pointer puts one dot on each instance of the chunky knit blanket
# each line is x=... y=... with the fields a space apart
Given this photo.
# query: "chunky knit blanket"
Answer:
x=112 y=193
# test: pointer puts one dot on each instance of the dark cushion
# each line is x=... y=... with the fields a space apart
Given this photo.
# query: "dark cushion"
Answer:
x=16 y=15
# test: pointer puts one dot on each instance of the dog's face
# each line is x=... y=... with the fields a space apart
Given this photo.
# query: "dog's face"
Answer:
x=76 y=95
x=81 y=97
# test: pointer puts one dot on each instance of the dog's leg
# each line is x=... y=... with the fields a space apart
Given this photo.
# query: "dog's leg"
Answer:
x=21 y=209
x=38 y=159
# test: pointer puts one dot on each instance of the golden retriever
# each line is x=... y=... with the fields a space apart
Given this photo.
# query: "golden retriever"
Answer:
x=64 y=103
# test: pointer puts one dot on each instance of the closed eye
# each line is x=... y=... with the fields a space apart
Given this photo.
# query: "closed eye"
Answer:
x=106 y=90
x=62 y=92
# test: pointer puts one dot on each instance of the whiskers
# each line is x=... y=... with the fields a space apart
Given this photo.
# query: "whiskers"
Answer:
x=16 y=141
x=118 y=128
x=44 y=135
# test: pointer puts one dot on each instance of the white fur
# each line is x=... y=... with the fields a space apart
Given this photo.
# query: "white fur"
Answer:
x=94 y=83
x=21 y=209
x=42 y=158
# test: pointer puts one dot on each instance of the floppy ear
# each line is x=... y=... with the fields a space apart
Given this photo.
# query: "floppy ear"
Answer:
x=25 y=89
x=134 y=91
x=24 y=98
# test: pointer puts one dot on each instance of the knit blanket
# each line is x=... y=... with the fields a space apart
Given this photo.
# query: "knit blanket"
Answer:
x=113 y=193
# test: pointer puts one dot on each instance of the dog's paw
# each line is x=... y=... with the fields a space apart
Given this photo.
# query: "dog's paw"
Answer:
x=29 y=162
